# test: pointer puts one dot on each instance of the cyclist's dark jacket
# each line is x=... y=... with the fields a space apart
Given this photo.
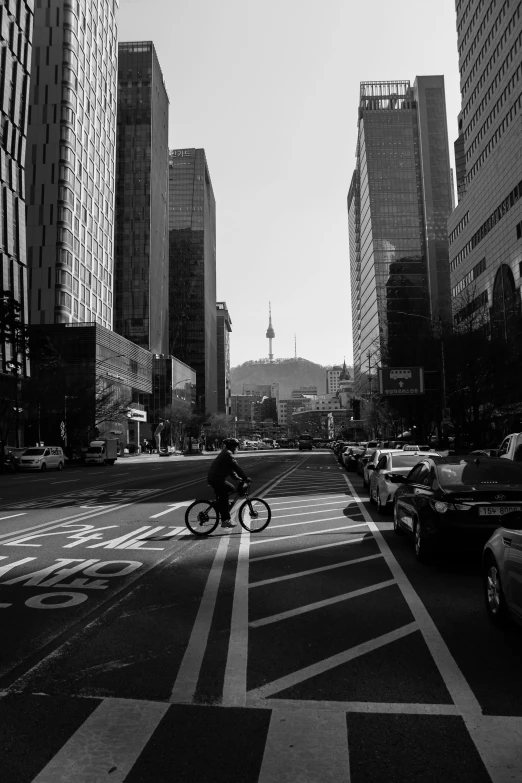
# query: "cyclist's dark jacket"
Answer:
x=224 y=465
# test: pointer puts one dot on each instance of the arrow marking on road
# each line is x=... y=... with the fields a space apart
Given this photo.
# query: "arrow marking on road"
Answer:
x=172 y=507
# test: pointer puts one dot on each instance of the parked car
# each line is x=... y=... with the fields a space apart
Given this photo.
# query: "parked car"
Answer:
x=42 y=458
x=390 y=471
x=365 y=456
x=371 y=464
x=351 y=457
x=511 y=447
x=457 y=502
x=502 y=573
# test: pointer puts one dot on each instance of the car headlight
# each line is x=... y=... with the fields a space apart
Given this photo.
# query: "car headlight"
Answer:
x=442 y=507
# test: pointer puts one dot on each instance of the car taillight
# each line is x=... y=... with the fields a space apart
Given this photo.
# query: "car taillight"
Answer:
x=394 y=479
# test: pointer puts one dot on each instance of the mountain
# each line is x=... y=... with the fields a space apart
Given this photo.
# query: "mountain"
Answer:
x=288 y=373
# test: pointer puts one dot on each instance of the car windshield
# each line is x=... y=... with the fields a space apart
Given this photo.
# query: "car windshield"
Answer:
x=480 y=473
x=404 y=460
x=33 y=452
x=94 y=449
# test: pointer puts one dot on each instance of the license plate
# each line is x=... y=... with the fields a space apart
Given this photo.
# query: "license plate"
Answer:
x=497 y=511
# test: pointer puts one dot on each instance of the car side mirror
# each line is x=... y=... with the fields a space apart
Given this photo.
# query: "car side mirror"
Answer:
x=370 y=467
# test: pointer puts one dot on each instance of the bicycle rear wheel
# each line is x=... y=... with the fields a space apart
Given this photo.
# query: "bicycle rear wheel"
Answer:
x=201 y=518
x=254 y=515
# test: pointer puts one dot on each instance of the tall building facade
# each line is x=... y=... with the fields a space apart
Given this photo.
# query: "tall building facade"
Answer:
x=398 y=205
x=224 y=327
x=16 y=33
x=332 y=379
x=485 y=229
x=141 y=254
x=192 y=271
x=70 y=171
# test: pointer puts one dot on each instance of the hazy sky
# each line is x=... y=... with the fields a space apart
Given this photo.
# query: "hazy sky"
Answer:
x=270 y=89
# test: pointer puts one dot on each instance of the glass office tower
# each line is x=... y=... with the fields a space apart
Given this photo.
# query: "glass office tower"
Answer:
x=398 y=204
x=71 y=144
x=16 y=33
x=192 y=272
x=485 y=229
x=141 y=238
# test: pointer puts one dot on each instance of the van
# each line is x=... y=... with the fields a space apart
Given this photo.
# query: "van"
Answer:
x=42 y=458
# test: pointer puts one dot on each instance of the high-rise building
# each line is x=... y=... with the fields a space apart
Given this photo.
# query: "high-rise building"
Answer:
x=398 y=205
x=16 y=33
x=71 y=145
x=332 y=379
x=485 y=229
x=141 y=254
x=224 y=327
x=192 y=271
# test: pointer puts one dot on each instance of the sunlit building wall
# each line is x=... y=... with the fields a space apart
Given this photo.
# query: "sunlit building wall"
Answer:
x=70 y=170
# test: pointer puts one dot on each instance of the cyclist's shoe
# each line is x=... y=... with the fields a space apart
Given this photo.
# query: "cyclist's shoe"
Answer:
x=228 y=523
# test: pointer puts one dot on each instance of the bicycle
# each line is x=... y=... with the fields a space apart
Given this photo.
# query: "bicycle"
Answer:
x=202 y=516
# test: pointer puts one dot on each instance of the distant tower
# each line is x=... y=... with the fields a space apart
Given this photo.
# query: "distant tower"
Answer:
x=270 y=334
x=295 y=346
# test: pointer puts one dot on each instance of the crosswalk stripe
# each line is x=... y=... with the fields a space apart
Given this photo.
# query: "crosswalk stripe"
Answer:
x=305 y=748
x=107 y=744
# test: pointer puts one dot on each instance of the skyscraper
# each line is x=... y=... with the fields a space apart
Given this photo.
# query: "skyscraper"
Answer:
x=224 y=327
x=141 y=246
x=192 y=272
x=485 y=229
x=398 y=204
x=16 y=32
x=70 y=162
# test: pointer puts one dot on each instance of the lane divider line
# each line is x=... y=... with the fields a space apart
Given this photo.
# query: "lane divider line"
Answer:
x=187 y=677
x=318 y=497
x=312 y=571
x=313 y=521
x=371 y=707
x=12 y=516
x=306 y=513
x=275 y=618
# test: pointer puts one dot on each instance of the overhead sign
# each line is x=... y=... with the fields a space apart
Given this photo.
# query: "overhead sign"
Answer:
x=400 y=381
x=135 y=415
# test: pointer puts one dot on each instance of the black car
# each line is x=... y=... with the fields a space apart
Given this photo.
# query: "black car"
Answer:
x=457 y=502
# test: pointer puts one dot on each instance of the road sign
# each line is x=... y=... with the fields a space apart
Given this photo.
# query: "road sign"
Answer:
x=401 y=381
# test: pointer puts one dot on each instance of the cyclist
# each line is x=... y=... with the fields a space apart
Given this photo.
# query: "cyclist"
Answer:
x=225 y=465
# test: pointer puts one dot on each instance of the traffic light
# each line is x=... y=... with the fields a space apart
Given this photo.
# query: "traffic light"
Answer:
x=356 y=406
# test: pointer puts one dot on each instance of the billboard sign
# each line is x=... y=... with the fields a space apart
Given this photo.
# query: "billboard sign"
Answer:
x=401 y=381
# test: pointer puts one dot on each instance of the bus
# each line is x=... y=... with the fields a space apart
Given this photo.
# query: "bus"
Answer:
x=305 y=442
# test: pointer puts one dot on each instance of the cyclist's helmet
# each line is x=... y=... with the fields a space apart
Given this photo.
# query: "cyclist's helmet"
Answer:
x=231 y=444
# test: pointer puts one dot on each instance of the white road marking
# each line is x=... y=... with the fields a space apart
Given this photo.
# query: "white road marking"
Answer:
x=275 y=618
x=319 y=497
x=372 y=707
x=454 y=680
x=305 y=748
x=107 y=744
x=304 y=513
x=309 y=522
x=69 y=481
x=330 y=663
x=499 y=742
x=172 y=507
x=188 y=674
x=12 y=517
x=306 y=549
x=234 y=686
x=311 y=571
x=312 y=532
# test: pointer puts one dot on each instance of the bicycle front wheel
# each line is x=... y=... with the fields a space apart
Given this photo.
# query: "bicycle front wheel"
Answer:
x=254 y=515
x=201 y=518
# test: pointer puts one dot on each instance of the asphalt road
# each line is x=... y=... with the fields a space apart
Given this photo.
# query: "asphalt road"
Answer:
x=318 y=650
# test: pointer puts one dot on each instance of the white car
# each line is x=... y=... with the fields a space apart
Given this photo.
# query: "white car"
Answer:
x=390 y=471
x=502 y=572
x=42 y=458
x=372 y=464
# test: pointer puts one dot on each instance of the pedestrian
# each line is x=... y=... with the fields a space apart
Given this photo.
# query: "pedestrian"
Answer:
x=144 y=446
